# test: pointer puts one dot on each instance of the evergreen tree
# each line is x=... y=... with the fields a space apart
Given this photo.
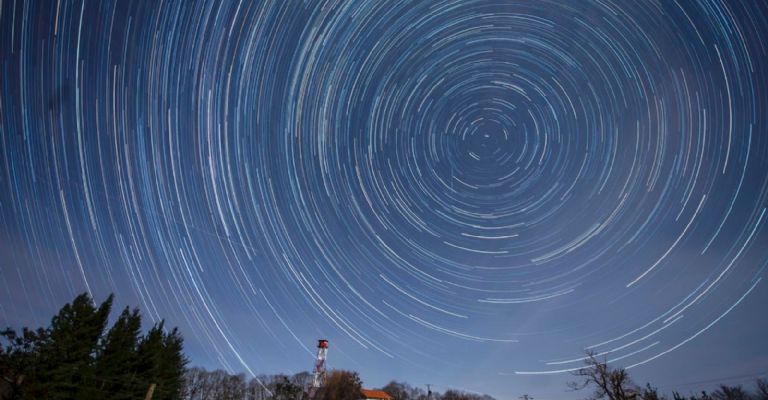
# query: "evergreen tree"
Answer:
x=75 y=359
x=161 y=361
x=117 y=360
x=172 y=366
x=66 y=357
x=19 y=360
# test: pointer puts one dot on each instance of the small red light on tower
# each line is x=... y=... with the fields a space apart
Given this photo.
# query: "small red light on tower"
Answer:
x=322 y=344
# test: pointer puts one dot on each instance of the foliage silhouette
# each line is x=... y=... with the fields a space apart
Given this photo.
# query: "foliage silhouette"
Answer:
x=77 y=358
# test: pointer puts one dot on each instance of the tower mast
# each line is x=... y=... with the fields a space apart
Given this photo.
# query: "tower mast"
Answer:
x=319 y=377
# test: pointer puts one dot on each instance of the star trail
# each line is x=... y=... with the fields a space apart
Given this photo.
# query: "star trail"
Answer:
x=469 y=193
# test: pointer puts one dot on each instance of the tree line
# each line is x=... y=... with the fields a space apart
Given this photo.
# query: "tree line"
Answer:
x=609 y=383
x=403 y=390
x=201 y=384
x=77 y=357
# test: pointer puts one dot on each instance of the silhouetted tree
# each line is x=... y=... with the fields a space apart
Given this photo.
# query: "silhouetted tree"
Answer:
x=340 y=385
x=302 y=380
x=18 y=360
x=762 y=389
x=161 y=361
x=58 y=361
x=117 y=359
x=611 y=384
x=404 y=391
x=194 y=383
x=286 y=390
x=451 y=394
x=200 y=384
x=650 y=393
x=725 y=392
x=398 y=390
x=73 y=358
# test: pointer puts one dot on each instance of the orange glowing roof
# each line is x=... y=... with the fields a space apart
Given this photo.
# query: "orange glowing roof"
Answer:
x=376 y=394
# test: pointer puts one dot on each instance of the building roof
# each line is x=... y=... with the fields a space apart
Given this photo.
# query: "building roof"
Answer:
x=376 y=394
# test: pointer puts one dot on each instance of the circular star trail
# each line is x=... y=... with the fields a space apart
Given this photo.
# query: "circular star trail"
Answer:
x=424 y=183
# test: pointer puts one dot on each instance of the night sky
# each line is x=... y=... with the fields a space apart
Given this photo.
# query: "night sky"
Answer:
x=463 y=193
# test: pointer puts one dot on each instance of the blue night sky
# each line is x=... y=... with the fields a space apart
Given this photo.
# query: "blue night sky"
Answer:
x=466 y=193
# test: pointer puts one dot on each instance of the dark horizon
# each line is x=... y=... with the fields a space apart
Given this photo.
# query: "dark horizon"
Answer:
x=467 y=193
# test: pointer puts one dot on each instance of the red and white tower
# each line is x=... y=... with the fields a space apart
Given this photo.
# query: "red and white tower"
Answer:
x=319 y=378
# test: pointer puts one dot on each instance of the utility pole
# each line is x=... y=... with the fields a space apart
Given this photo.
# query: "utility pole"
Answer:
x=429 y=391
x=150 y=392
